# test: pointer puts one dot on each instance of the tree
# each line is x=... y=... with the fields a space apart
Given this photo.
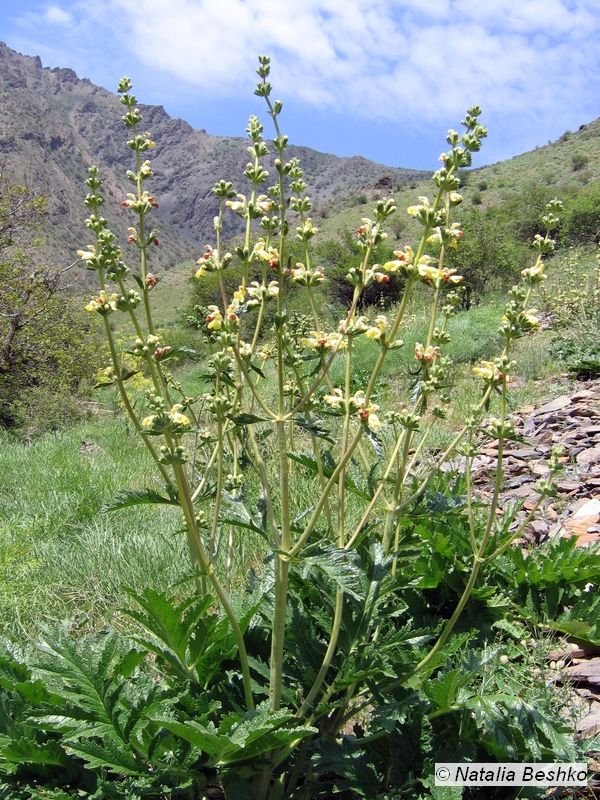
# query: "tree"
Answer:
x=45 y=363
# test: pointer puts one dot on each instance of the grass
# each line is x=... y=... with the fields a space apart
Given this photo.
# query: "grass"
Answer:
x=59 y=555
x=171 y=295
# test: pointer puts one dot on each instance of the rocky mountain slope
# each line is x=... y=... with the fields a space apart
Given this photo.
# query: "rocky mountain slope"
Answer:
x=55 y=124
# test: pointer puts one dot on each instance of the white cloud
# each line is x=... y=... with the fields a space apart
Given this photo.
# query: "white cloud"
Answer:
x=57 y=15
x=383 y=58
x=413 y=63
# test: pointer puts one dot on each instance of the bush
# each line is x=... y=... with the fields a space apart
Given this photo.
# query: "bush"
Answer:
x=490 y=254
x=579 y=161
x=575 y=307
x=46 y=363
x=582 y=217
x=338 y=256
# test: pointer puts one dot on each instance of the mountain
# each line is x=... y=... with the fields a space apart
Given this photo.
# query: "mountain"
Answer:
x=55 y=125
x=567 y=168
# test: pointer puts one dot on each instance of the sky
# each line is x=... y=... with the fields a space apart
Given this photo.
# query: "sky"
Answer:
x=381 y=78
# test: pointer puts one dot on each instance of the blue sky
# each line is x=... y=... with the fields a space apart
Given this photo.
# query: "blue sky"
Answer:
x=380 y=78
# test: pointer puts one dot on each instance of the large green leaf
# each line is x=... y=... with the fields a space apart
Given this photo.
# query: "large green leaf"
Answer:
x=313 y=427
x=186 y=637
x=26 y=751
x=240 y=738
x=137 y=497
x=106 y=756
x=239 y=516
x=328 y=467
x=343 y=567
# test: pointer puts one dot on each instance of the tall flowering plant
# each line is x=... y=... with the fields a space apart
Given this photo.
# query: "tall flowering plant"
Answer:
x=324 y=472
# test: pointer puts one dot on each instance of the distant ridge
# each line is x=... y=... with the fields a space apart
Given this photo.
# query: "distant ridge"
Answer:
x=55 y=124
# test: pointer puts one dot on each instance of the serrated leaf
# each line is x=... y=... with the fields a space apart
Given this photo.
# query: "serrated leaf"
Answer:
x=376 y=444
x=126 y=373
x=136 y=497
x=312 y=427
x=258 y=370
x=343 y=567
x=241 y=517
x=240 y=738
x=328 y=467
x=24 y=751
x=103 y=384
x=178 y=350
x=106 y=756
x=246 y=418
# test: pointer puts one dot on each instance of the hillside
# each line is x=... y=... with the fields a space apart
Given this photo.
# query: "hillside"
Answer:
x=55 y=124
x=564 y=167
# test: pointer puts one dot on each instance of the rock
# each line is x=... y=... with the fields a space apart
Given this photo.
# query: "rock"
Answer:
x=520 y=480
x=589 y=725
x=589 y=508
x=584 y=528
x=589 y=456
x=521 y=491
x=588 y=671
x=540 y=469
x=554 y=405
x=539 y=527
x=583 y=394
x=567 y=485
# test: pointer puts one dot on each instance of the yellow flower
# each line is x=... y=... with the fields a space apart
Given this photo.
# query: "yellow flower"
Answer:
x=103 y=303
x=488 y=372
x=88 y=254
x=436 y=276
x=319 y=340
x=427 y=354
x=180 y=420
x=264 y=203
x=374 y=423
x=239 y=294
x=214 y=318
x=264 y=253
x=334 y=400
x=430 y=274
x=238 y=205
x=377 y=330
x=414 y=211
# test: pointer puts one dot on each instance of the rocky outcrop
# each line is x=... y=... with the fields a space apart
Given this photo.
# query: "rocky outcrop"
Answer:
x=55 y=124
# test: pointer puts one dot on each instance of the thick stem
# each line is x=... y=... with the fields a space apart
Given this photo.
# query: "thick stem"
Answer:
x=328 y=657
x=209 y=569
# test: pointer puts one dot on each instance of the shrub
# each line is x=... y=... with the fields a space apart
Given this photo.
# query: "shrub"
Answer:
x=339 y=256
x=582 y=217
x=490 y=255
x=46 y=364
x=579 y=161
x=575 y=307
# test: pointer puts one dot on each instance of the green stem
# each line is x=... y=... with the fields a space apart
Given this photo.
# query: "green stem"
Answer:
x=209 y=569
x=328 y=657
x=314 y=518
x=281 y=576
